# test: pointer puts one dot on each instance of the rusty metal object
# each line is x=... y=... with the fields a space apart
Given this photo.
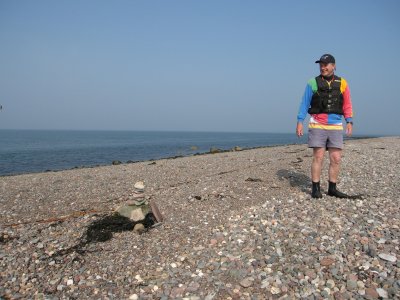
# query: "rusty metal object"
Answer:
x=156 y=212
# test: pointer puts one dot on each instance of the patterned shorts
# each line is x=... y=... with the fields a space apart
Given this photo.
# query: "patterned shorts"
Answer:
x=322 y=138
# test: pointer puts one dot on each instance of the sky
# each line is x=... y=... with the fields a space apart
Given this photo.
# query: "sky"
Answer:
x=239 y=66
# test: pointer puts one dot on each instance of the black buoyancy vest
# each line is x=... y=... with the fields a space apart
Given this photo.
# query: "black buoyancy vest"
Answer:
x=328 y=98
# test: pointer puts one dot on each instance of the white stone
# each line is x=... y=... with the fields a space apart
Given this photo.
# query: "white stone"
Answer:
x=315 y=281
x=275 y=290
x=366 y=266
x=264 y=284
x=139 y=228
x=383 y=274
x=133 y=297
x=139 y=185
x=327 y=290
x=330 y=283
x=388 y=257
x=137 y=215
x=70 y=282
x=360 y=284
x=268 y=270
x=382 y=293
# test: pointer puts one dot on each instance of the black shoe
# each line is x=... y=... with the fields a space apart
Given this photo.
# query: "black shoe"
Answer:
x=337 y=194
x=316 y=194
x=332 y=191
x=316 y=190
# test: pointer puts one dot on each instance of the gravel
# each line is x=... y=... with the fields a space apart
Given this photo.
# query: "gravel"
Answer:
x=238 y=225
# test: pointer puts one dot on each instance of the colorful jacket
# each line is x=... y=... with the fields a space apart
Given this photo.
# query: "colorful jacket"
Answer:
x=325 y=121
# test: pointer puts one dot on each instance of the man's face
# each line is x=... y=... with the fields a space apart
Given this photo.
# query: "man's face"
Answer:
x=326 y=69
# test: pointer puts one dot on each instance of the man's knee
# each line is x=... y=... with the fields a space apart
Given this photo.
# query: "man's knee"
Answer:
x=318 y=154
x=335 y=156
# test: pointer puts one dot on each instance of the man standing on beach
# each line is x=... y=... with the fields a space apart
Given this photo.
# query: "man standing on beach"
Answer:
x=327 y=99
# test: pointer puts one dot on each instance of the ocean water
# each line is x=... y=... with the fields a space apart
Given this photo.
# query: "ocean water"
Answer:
x=30 y=151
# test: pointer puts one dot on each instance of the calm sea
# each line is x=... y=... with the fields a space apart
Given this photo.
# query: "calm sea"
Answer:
x=29 y=151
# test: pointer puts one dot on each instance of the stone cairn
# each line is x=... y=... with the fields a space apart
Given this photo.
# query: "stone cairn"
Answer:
x=140 y=210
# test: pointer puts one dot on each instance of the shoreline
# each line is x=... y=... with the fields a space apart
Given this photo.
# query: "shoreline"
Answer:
x=213 y=150
x=238 y=225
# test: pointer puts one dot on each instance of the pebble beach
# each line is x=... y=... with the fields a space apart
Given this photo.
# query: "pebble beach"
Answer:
x=237 y=225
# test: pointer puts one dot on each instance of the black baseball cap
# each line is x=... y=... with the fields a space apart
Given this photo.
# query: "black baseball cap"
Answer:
x=326 y=59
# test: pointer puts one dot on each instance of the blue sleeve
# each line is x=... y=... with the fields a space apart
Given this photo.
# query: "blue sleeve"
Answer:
x=305 y=104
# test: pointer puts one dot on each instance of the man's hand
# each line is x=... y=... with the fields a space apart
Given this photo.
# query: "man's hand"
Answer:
x=299 y=129
x=349 y=129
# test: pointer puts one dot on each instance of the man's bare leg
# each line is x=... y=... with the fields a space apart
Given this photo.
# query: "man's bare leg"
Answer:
x=335 y=157
x=316 y=167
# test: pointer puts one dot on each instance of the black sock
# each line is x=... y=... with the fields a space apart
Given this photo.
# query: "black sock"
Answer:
x=315 y=185
x=316 y=190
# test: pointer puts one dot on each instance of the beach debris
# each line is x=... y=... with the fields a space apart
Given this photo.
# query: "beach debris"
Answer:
x=299 y=160
x=73 y=215
x=214 y=150
x=254 y=179
x=156 y=212
x=237 y=148
x=193 y=198
x=140 y=210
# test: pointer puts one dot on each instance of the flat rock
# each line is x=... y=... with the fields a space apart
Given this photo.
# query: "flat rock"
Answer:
x=134 y=212
x=388 y=257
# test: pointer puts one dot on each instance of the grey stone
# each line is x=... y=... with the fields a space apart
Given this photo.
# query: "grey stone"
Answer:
x=247 y=282
x=388 y=257
x=135 y=213
x=352 y=285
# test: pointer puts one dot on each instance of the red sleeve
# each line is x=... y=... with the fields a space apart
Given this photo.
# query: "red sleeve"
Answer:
x=347 y=105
